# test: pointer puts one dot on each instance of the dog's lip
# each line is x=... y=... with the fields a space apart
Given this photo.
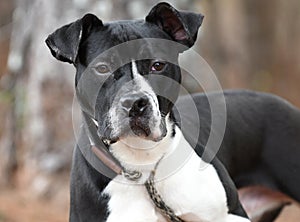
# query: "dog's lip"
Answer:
x=140 y=129
x=140 y=132
x=106 y=140
x=151 y=137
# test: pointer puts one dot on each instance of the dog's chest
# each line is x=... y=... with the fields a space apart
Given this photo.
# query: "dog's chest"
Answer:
x=193 y=193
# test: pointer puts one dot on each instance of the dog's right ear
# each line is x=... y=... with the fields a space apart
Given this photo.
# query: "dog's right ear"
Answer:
x=64 y=42
x=181 y=26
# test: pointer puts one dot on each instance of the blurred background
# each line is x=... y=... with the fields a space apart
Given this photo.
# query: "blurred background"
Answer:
x=252 y=44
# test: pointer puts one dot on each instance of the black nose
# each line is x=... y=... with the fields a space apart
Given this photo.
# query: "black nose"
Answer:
x=135 y=105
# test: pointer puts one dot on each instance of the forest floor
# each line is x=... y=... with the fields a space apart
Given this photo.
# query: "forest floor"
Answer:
x=19 y=206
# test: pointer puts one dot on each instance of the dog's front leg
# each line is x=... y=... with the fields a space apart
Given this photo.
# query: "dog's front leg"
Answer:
x=130 y=203
x=134 y=212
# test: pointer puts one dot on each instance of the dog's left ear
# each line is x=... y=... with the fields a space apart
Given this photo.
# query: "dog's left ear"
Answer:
x=64 y=43
x=181 y=26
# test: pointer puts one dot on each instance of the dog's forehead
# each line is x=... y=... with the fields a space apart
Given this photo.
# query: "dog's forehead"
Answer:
x=127 y=30
x=116 y=33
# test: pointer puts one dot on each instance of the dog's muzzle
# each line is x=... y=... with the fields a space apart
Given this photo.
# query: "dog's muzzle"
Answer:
x=135 y=105
x=136 y=114
x=138 y=109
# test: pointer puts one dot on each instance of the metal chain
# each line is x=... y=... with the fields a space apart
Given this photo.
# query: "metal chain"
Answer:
x=132 y=175
x=158 y=201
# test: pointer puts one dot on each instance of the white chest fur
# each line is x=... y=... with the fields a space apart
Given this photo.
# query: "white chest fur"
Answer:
x=194 y=194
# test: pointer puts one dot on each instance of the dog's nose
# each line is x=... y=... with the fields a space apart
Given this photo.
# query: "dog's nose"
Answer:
x=135 y=105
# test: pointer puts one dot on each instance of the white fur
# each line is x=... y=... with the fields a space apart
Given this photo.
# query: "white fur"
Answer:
x=194 y=194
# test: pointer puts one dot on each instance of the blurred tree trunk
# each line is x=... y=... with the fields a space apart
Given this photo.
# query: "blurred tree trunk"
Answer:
x=224 y=40
x=253 y=44
x=286 y=49
x=39 y=133
x=18 y=48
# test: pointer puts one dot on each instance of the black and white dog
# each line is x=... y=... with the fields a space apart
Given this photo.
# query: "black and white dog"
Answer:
x=140 y=128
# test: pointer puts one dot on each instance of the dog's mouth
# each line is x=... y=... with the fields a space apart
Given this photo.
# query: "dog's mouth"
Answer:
x=140 y=127
x=133 y=127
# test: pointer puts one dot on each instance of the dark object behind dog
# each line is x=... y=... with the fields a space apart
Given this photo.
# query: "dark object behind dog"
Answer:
x=261 y=144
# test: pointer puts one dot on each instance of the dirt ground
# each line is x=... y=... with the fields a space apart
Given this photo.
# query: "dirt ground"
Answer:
x=19 y=206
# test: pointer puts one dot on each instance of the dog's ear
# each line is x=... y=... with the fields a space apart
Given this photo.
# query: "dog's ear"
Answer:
x=181 y=26
x=64 y=42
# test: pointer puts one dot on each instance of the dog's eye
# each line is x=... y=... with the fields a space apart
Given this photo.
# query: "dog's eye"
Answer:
x=102 y=69
x=158 y=66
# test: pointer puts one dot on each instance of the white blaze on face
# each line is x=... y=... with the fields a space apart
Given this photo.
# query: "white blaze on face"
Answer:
x=145 y=88
x=138 y=85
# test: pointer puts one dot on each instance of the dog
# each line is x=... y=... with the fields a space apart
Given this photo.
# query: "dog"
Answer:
x=139 y=129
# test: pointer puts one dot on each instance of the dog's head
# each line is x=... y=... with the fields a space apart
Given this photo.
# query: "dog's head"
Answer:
x=128 y=101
